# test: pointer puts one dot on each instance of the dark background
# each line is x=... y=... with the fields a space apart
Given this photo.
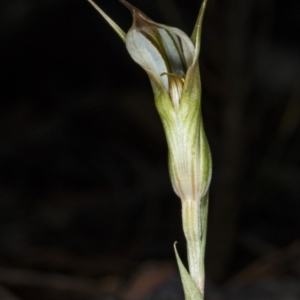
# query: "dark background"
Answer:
x=84 y=186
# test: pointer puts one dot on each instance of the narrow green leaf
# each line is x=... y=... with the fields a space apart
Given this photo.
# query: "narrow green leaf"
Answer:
x=115 y=27
x=191 y=291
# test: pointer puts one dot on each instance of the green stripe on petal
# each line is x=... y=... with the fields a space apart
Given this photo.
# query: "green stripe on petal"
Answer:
x=162 y=50
x=144 y=52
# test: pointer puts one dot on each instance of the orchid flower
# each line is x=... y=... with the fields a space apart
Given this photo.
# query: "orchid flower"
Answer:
x=170 y=59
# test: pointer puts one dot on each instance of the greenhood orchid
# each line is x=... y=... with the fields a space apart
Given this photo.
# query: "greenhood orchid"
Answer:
x=170 y=59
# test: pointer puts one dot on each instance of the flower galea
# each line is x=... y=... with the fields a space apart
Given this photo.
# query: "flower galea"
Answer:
x=163 y=51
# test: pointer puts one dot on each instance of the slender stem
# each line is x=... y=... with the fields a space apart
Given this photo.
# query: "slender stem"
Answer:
x=195 y=234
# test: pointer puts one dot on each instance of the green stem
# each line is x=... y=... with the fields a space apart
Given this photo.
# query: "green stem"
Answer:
x=194 y=216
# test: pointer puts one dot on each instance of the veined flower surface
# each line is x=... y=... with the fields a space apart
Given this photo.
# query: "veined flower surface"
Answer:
x=170 y=59
x=164 y=51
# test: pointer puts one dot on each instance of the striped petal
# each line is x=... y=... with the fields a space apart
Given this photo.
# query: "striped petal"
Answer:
x=163 y=51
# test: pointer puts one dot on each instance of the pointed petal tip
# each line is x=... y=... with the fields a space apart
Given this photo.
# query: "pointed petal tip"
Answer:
x=128 y=5
x=136 y=13
x=196 y=35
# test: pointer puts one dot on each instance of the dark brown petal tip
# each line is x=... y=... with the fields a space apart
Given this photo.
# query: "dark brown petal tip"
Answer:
x=129 y=6
x=137 y=13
